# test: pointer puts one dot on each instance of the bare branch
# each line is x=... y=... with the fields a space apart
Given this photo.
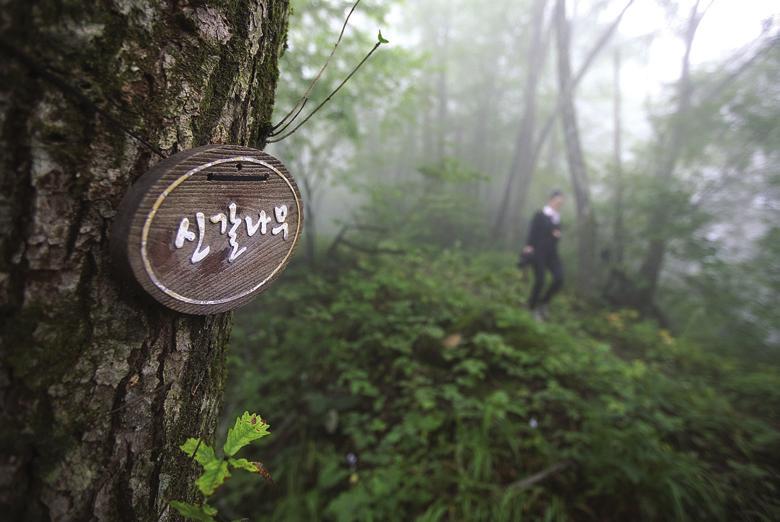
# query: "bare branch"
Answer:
x=591 y=57
x=301 y=103
x=326 y=100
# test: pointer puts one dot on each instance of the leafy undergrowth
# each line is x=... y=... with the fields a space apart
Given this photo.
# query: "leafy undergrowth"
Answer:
x=216 y=470
x=417 y=387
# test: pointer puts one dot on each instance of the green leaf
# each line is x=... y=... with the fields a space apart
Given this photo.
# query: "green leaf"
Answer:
x=247 y=428
x=213 y=476
x=204 y=513
x=205 y=454
x=382 y=39
x=215 y=470
x=243 y=464
x=252 y=467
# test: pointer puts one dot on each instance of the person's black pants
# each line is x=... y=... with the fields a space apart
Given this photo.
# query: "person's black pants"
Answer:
x=540 y=265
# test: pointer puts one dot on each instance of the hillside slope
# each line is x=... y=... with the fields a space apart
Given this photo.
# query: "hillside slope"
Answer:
x=417 y=387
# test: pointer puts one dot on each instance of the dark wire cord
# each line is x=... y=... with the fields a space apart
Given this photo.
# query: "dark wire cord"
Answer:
x=303 y=100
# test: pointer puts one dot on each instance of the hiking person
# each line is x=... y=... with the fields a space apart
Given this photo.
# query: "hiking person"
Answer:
x=541 y=252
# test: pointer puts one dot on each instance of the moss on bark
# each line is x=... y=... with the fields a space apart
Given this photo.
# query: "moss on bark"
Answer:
x=98 y=383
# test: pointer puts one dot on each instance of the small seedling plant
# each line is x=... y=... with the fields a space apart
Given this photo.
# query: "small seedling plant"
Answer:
x=216 y=470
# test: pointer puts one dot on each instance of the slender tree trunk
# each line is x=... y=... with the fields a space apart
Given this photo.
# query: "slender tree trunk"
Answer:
x=553 y=160
x=413 y=140
x=619 y=235
x=605 y=37
x=483 y=117
x=523 y=163
x=531 y=156
x=311 y=240
x=310 y=224
x=670 y=147
x=428 y=130
x=99 y=384
x=586 y=224
x=427 y=98
x=443 y=32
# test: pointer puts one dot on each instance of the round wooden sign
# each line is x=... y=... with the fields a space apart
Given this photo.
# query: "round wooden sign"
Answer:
x=207 y=229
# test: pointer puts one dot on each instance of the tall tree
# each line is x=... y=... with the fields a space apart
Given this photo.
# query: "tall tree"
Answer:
x=618 y=234
x=670 y=146
x=99 y=384
x=523 y=162
x=586 y=223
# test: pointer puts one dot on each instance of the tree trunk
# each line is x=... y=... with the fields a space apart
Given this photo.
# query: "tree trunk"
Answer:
x=586 y=224
x=670 y=148
x=529 y=156
x=583 y=69
x=523 y=161
x=618 y=239
x=443 y=41
x=99 y=384
x=310 y=223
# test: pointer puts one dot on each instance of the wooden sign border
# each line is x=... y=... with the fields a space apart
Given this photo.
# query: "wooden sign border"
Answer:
x=133 y=223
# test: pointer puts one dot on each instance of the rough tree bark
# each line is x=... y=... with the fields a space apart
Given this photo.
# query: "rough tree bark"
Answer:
x=98 y=383
x=310 y=225
x=586 y=223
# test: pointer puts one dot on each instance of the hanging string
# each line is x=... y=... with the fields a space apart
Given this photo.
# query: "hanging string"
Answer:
x=303 y=100
x=273 y=139
x=279 y=131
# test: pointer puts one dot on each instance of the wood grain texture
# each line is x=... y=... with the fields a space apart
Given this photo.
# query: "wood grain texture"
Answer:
x=233 y=266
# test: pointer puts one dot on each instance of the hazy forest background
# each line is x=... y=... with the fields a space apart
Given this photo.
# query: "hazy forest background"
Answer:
x=395 y=359
x=402 y=376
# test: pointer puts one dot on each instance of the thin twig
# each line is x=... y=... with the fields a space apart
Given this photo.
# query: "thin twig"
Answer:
x=303 y=100
x=326 y=100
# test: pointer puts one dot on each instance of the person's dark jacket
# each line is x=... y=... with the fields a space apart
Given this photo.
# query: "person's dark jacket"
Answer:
x=540 y=235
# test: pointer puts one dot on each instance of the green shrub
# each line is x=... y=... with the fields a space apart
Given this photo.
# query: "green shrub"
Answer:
x=428 y=370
